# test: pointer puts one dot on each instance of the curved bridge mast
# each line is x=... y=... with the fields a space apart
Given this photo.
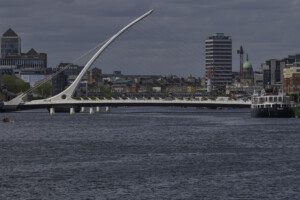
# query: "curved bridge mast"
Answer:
x=69 y=92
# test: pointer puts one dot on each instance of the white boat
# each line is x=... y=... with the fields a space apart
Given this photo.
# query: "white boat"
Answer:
x=264 y=105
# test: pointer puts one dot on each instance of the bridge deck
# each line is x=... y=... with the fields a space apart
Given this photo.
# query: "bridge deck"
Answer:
x=130 y=102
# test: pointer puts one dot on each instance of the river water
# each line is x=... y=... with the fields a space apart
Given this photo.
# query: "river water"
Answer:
x=149 y=153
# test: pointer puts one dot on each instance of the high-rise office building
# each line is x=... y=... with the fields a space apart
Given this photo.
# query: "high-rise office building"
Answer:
x=218 y=62
x=10 y=44
x=273 y=69
x=273 y=72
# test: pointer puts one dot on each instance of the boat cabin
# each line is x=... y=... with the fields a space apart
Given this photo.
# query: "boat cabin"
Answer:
x=270 y=101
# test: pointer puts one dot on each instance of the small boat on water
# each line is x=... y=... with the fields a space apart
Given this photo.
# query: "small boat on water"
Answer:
x=276 y=106
x=7 y=120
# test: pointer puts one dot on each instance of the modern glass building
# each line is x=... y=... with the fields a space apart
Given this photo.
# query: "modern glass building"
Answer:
x=10 y=44
x=218 y=62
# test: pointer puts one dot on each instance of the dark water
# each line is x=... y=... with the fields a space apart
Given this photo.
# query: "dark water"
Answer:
x=149 y=153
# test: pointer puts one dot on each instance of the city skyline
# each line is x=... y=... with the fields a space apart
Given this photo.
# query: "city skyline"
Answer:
x=264 y=29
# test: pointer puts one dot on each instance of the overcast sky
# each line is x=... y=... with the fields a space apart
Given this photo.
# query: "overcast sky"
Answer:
x=170 y=41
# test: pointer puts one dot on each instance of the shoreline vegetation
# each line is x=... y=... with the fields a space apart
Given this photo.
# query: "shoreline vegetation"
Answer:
x=11 y=86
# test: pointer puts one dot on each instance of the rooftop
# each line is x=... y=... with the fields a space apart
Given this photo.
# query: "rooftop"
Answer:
x=221 y=36
x=10 y=33
x=32 y=52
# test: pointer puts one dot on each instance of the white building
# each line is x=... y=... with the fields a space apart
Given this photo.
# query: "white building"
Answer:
x=218 y=61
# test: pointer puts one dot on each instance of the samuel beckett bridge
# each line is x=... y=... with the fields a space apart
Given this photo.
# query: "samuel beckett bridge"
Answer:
x=65 y=99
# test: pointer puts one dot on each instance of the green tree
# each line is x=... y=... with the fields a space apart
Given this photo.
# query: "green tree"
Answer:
x=44 y=90
x=106 y=91
x=14 y=84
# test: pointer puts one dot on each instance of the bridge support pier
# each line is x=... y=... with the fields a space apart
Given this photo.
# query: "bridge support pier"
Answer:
x=91 y=110
x=82 y=109
x=107 y=109
x=97 y=109
x=52 y=111
x=72 y=111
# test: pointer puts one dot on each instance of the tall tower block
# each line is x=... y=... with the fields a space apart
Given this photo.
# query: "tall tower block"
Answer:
x=10 y=44
x=218 y=61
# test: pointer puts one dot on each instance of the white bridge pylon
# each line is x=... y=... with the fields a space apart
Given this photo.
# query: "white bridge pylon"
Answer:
x=69 y=92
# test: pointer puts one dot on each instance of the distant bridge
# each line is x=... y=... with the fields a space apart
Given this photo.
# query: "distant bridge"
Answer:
x=65 y=99
x=75 y=105
x=138 y=102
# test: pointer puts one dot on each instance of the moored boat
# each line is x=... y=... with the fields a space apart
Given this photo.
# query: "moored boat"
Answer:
x=276 y=106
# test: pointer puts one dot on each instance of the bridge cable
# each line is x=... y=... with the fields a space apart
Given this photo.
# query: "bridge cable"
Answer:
x=47 y=79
